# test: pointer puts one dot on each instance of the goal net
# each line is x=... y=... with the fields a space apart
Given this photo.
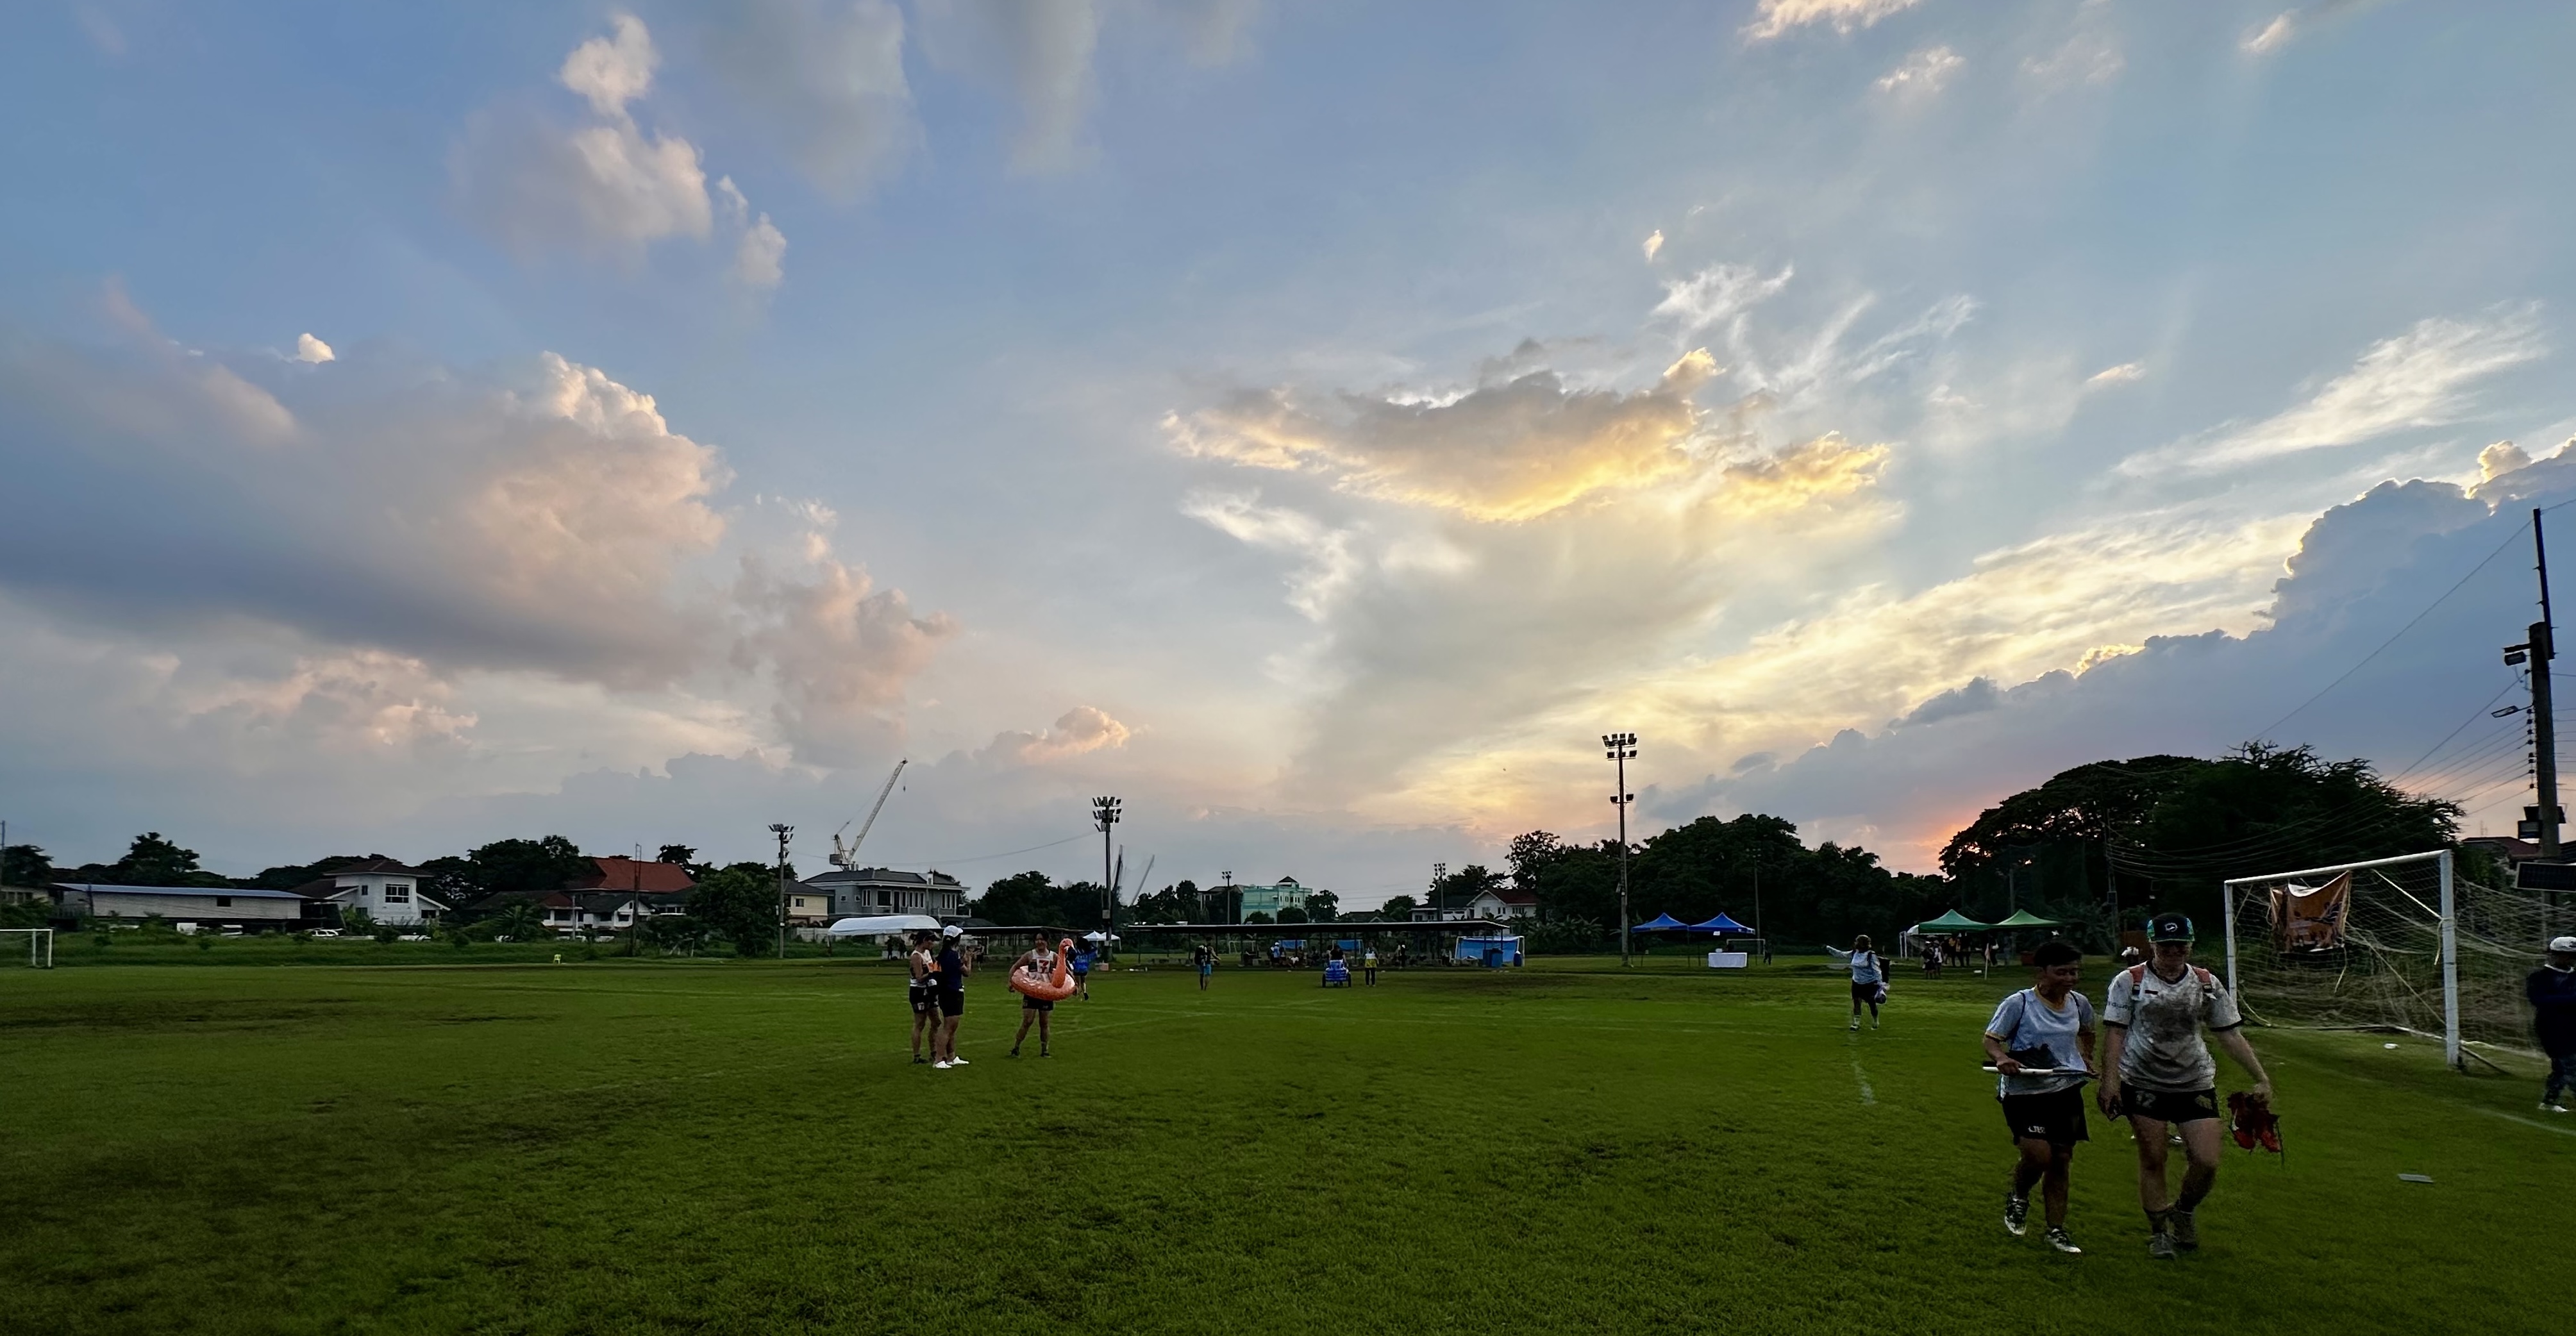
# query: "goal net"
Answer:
x=2393 y=943
x=32 y=945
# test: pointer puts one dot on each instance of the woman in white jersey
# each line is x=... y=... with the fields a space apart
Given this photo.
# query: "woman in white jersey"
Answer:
x=2047 y=1026
x=1868 y=978
x=2159 y=1073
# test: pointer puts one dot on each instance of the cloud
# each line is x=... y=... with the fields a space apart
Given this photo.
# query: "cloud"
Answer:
x=760 y=250
x=1507 y=452
x=2274 y=35
x=1718 y=294
x=614 y=70
x=1775 y=18
x=828 y=75
x=2421 y=378
x=1080 y=730
x=839 y=651
x=535 y=518
x=1654 y=244
x=1040 y=52
x=1923 y=73
x=311 y=349
x=2501 y=458
x=608 y=188
x=2085 y=59
x=2126 y=373
x=1043 y=53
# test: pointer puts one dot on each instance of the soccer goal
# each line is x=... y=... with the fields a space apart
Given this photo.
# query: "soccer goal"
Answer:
x=40 y=946
x=2392 y=944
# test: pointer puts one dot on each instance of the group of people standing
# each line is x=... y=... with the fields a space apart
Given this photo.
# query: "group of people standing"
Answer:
x=940 y=966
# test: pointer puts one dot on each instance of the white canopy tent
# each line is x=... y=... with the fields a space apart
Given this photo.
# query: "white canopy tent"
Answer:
x=883 y=925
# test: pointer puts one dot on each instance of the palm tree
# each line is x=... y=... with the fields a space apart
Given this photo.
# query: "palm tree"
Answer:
x=520 y=921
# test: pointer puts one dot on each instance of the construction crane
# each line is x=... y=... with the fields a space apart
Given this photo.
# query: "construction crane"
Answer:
x=847 y=856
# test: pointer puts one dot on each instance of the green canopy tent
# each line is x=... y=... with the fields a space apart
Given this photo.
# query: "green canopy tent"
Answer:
x=1951 y=921
x=2023 y=918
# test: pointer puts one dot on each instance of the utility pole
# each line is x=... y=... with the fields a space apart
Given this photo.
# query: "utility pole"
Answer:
x=1104 y=813
x=2541 y=821
x=1623 y=749
x=782 y=832
x=1439 y=874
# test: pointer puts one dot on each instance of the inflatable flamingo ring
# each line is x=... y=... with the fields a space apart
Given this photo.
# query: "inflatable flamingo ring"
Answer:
x=1054 y=987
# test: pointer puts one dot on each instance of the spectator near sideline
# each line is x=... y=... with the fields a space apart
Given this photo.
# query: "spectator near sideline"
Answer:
x=2551 y=990
x=1868 y=978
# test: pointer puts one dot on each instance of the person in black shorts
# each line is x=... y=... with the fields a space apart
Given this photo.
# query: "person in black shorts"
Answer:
x=923 y=992
x=2159 y=1073
x=1205 y=959
x=952 y=997
x=2049 y=1027
x=1038 y=960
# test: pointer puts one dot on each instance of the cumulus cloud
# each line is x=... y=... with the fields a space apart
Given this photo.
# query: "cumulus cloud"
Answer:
x=1080 y=730
x=760 y=251
x=2123 y=374
x=311 y=349
x=1506 y=452
x=607 y=188
x=1775 y=18
x=2501 y=458
x=828 y=76
x=1923 y=73
x=537 y=518
x=2421 y=378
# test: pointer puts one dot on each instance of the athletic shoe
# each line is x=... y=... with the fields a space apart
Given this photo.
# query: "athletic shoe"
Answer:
x=2016 y=1214
x=2186 y=1235
x=2551 y=1106
x=1044 y=1054
x=917 y=1058
x=941 y=1066
x=956 y=1062
x=1873 y=1022
x=2160 y=1246
x=1855 y=1022
x=2062 y=1241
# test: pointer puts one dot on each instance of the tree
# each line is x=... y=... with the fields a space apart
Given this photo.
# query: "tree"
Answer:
x=526 y=867
x=1292 y=914
x=1256 y=916
x=150 y=861
x=520 y=921
x=1697 y=869
x=25 y=865
x=288 y=876
x=676 y=853
x=1033 y=897
x=739 y=905
x=1322 y=906
x=1397 y=907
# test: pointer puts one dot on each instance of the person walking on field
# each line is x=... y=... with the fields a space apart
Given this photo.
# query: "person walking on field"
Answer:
x=923 y=993
x=2551 y=990
x=1038 y=960
x=1368 y=965
x=2157 y=1071
x=952 y=998
x=1868 y=978
x=1205 y=958
x=2048 y=1026
x=1081 y=975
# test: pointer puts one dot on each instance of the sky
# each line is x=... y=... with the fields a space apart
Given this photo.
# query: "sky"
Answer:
x=1315 y=424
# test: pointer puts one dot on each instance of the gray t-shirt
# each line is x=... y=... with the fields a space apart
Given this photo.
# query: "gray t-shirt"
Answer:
x=2025 y=1021
x=2163 y=1050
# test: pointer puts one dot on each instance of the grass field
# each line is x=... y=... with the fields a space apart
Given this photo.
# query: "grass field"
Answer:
x=740 y=1146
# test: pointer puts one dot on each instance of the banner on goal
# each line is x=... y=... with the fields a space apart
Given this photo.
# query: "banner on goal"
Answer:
x=2391 y=943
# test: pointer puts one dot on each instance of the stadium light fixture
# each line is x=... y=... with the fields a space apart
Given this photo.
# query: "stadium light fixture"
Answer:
x=1621 y=749
x=1104 y=814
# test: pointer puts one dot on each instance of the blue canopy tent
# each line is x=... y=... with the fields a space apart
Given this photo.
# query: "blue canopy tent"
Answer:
x=1724 y=927
x=1661 y=923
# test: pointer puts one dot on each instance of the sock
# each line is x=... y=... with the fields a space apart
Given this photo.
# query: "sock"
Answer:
x=2190 y=1201
x=2156 y=1222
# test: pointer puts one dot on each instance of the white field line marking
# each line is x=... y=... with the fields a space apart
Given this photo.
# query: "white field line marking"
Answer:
x=1867 y=1096
x=2530 y=1122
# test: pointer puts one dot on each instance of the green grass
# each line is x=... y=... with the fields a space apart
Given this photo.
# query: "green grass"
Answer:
x=740 y=1146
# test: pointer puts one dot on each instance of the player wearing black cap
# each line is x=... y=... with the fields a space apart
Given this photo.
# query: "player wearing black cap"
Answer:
x=2158 y=1072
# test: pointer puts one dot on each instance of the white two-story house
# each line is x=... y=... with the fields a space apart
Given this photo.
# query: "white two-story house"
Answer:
x=392 y=893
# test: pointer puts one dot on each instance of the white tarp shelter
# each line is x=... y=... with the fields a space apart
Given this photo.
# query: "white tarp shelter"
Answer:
x=883 y=925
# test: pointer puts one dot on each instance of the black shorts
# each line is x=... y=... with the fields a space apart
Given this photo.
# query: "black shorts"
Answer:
x=1028 y=1003
x=2056 y=1117
x=1865 y=992
x=2169 y=1106
x=922 y=999
x=952 y=1001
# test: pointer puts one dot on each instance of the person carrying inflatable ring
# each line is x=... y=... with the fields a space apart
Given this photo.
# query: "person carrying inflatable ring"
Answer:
x=1039 y=976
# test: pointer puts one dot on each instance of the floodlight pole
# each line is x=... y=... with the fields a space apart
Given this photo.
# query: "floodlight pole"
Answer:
x=2538 y=649
x=1104 y=814
x=782 y=832
x=1622 y=748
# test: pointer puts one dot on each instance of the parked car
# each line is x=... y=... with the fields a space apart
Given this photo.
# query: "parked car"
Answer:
x=413 y=937
x=325 y=932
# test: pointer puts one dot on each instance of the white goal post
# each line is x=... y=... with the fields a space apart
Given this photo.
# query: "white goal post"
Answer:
x=40 y=945
x=2400 y=943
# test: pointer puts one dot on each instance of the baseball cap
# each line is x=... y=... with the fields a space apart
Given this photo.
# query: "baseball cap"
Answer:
x=2169 y=928
x=2565 y=944
x=952 y=930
